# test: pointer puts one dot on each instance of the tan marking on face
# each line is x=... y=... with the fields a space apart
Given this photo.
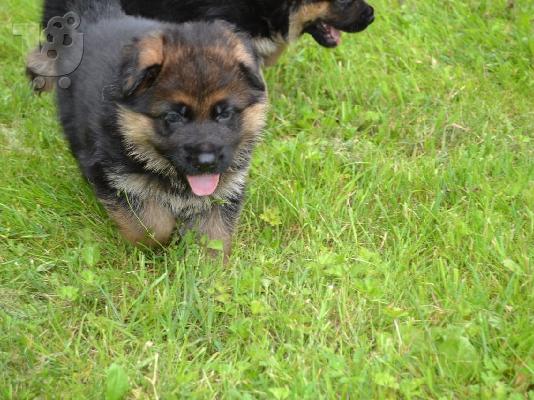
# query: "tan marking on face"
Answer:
x=138 y=135
x=201 y=93
x=305 y=14
x=152 y=226
x=180 y=97
x=253 y=120
x=205 y=108
x=202 y=107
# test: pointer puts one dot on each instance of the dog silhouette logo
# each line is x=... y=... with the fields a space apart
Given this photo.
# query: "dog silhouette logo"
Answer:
x=61 y=52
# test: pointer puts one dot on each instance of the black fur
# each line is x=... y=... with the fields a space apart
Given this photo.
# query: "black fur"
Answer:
x=262 y=19
x=112 y=82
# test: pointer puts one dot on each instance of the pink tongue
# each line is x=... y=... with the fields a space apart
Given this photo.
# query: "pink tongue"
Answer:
x=336 y=35
x=203 y=185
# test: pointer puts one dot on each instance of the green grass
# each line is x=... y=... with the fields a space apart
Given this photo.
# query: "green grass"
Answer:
x=384 y=250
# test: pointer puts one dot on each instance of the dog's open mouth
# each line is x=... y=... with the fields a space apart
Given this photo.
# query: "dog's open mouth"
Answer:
x=203 y=185
x=324 y=34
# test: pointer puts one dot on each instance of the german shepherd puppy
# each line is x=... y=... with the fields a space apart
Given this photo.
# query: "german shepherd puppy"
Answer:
x=162 y=119
x=273 y=24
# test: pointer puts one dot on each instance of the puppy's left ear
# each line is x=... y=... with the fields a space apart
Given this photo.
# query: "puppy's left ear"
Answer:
x=141 y=64
x=253 y=76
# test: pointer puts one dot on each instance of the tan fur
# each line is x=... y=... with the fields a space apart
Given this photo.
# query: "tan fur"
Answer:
x=214 y=228
x=202 y=103
x=254 y=119
x=201 y=106
x=204 y=109
x=305 y=14
x=231 y=183
x=239 y=50
x=151 y=50
x=271 y=49
x=242 y=55
x=153 y=225
x=272 y=58
x=138 y=134
x=143 y=187
x=267 y=47
x=140 y=185
x=158 y=220
x=150 y=53
x=183 y=98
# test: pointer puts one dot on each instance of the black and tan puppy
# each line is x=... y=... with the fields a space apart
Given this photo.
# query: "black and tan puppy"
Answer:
x=162 y=119
x=273 y=24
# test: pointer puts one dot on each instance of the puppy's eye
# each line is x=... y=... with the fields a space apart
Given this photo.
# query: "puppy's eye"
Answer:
x=172 y=117
x=178 y=116
x=223 y=113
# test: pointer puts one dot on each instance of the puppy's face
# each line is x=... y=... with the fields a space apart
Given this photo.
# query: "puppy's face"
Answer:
x=194 y=103
x=325 y=20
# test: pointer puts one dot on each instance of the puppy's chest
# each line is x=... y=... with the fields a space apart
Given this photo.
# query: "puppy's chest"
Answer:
x=176 y=197
x=143 y=187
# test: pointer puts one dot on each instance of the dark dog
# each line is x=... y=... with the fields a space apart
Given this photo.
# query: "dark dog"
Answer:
x=162 y=119
x=272 y=23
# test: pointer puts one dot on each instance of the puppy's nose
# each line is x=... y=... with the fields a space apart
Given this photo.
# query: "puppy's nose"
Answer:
x=205 y=162
x=369 y=14
x=206 y=158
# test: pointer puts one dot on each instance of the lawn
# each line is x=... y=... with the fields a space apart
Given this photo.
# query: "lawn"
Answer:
x=384 y=251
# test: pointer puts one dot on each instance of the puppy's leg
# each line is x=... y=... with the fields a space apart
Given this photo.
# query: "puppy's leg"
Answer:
x=148 y=223
x=215 y=227
x=219 y=224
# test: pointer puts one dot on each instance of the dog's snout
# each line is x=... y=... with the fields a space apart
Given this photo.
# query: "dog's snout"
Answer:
x=369 y=14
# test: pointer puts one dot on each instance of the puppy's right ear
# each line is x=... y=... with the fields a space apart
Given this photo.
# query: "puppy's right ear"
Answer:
x=142 y=63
